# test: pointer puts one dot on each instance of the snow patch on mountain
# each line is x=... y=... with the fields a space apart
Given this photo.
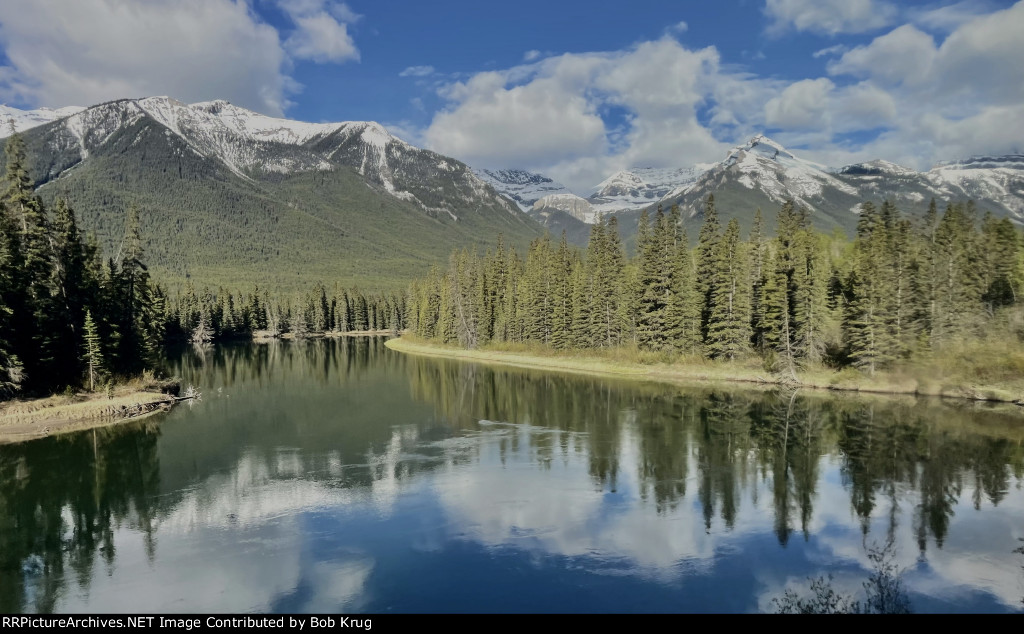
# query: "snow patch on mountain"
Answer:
x=21 y=120
x=641 y=187
x=577 y=207
x=523 y=187
x=999 y=179
x=779 y=173
x=252 y=145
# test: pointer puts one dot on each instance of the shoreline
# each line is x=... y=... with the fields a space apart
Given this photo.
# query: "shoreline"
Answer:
x=25 y=420
x=262 y=336
x=714 y=372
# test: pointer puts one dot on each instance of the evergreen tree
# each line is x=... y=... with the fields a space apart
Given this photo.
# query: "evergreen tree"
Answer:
x=707 y=262
x=729 y=322
x=684 y=311
x=561 y=296
x=758 y=253
x=93 y=350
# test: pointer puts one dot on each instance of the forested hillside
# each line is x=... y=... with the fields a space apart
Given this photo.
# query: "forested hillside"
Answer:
x=229 y=197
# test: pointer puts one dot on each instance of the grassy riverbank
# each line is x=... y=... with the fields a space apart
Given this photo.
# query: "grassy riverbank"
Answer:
x=976 y=374
x=28 y=419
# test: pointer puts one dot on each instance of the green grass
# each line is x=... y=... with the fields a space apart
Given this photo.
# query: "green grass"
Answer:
x=1001 y=379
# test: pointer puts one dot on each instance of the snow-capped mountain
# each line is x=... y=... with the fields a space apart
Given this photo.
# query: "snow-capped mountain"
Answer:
x=235 y=193
x=997 y=181
x=763 y=173
x=15 y=120
x=578 y=208
x=641 y=187
x=523 y=187
x=252 y=146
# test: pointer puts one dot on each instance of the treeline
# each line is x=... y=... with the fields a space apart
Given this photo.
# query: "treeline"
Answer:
x=205 y=316
x=901 y=288
x=66 y=316
x=69 y=318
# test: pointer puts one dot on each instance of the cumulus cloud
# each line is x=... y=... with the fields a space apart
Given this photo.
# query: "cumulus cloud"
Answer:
x=903 y=55
x=549 y=116
x=84 y=52
x=417 y=71
x=830 y=17
x=550 y=112
x=88 y=51
x=680 y=27
x=949 y=17
x=321 y=31
x=531 y=55
x=802 y=105
x=902 y=96
x=983 y=56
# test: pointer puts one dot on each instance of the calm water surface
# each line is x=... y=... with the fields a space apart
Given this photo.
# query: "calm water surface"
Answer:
x=338 y=475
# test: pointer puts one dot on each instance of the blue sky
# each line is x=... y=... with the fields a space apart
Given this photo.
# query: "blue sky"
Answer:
x=574 y=89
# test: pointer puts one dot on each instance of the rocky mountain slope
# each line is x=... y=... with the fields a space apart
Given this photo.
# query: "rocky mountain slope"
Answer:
x=525 y=188
x=226 y=192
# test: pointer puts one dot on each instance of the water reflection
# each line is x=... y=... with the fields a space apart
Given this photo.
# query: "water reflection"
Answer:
x=336 y=475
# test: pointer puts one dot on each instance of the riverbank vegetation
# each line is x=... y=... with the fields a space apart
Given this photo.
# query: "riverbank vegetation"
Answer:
x=932 y=300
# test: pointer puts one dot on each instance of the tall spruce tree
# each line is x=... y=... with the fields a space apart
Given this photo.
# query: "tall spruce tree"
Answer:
x=707 y=262
x=729 y=322
x=93 y=356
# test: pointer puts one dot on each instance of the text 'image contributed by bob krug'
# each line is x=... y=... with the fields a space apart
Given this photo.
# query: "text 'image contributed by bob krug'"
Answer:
x=302 y=622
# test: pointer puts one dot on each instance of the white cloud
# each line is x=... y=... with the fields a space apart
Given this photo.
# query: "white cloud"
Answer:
x=84 y=52
x=531 y=55
x=548 y=114
x=983 y=56
x=949 y=17
x=901 y=96
x=838 y=49
x=803 y=105
x=417 y=71
x=680 y=27
x=321 y=31
x=829 y=17
x=61 y=53
x=862 y=106
x=902 y=55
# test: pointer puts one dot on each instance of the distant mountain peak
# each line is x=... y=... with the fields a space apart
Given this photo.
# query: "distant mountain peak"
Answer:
x=22 y=120
x=521 y=186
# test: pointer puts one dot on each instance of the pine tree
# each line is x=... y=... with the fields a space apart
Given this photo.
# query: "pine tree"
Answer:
x=654 y=283
x=867 y=324
x=298 y=324
x=561 y=296
x=684 y=311
x=32 y=300
x=93 y=350
x=729 y=322
x=758 y=252
x=776 y=323
x=707 y=262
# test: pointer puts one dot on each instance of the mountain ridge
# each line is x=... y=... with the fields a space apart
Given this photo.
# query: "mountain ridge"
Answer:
x=229 y=194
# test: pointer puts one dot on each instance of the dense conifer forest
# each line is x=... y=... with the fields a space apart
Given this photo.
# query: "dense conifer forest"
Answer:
x=902 y=289
x=70 y=319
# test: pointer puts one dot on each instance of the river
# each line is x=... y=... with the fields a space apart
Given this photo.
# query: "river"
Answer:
x=338 y=475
